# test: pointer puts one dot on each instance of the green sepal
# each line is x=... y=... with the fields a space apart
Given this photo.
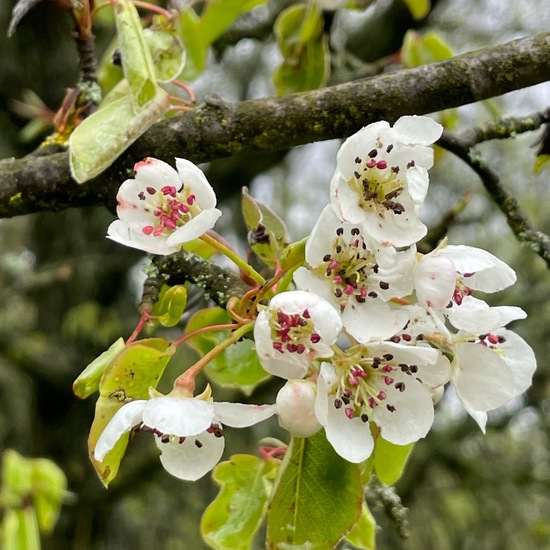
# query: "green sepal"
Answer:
x=390 y=460
x=136 y=58
x=19 y=530
x=317 y=498
x=233 y=518
x=132 y=372
x=87 y=381
x=237 y=366
x=171 y=305
x=102 y=137
x=267 y=233
x=363 y=534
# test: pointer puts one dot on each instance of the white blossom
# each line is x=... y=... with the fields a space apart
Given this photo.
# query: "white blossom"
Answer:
x=357 y=276
x=188 y=431
x=380 y=383
x=381 y=178
x=293 y=330
x=295 y=408
x=163 y=208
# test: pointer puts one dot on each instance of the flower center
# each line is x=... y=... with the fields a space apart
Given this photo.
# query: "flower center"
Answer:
x=293 y=332
x=171 y=209
x=364 y=381
x=214 y=429
x=349 y=267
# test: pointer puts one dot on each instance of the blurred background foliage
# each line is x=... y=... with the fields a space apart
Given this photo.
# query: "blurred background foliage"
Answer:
x=66 y=293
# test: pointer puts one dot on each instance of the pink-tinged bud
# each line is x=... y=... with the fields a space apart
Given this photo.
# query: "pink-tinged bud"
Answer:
x=295 y=408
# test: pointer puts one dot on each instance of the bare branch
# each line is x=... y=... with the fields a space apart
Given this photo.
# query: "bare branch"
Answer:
x=515 y=216
x=216 y=129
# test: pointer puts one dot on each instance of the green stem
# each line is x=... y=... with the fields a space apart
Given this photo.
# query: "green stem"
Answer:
x=235 y=258
x=186 y=379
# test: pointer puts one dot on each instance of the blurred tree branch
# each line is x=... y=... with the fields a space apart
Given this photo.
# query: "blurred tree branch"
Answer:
x=216 y=129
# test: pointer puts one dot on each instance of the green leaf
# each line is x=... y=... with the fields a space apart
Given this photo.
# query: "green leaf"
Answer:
x=171 y=305
x=418 y=49
x=300 y=36
x=317 y=498
x=167 y=52
x=19 y=530
x=294 y=254
x=88 y=380
x=188 y=26
x=267 y=233
x=232 y=519
x=363 y=534
x=220 y=14
x=102 y=137
x=419 y=8
x=237 y=366
x=132 y=372
x=49 y=486
x=136 y=57
x=390 y=460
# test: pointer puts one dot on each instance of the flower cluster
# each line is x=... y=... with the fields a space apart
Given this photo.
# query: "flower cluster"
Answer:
x=374 y=330
x=411 y=322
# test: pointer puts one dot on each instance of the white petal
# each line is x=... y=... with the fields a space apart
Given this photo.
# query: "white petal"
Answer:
x=393 y=229
x=239 y=415
x=123 y=421
x=417 y=183
x=411 y=355
x=418 y=129
x=133 y=237
x=186 y=460
x=519 y=356
x=194 y=228
x=490 y=273
x=479 y=416
x=178 y=416
x=193 y=176
x=482 y=379
x=351 y=438
x=436 y=375
x=322 y=236
x=413 y=415
x=435 y=280
x=344 y=200
x=156 y=173
x=311 y=282
x=373 y=320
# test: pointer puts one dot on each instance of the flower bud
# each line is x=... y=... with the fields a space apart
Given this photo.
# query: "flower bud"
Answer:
x=294 y=404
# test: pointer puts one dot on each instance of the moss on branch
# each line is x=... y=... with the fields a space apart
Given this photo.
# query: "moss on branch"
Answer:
x=217 y=129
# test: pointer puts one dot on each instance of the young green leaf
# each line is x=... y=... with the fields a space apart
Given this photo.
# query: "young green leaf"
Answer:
x=363 y=534
x=132 y=372
x=317 y=498
x=188 y=28
x=102 y=137
x=232 y=519
x=136 y=58
x=87 y=381
x=171 y=305
x=167 y=52
x=267 y=233
x=49 y=486
x=419 y=8
x=390 y=460
x=300 y=36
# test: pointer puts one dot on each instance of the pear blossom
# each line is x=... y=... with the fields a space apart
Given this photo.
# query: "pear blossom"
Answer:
x=293 y=330
x=449 y=273
x=381 y=178
x=163 y=208
x=357 y=276
x=188 y=431
x=380 y=383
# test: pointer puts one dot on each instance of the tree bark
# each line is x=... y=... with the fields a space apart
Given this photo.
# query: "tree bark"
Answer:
x=217 y=129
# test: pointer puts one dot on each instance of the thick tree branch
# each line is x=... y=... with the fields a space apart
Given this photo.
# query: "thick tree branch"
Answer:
x=216 y=129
